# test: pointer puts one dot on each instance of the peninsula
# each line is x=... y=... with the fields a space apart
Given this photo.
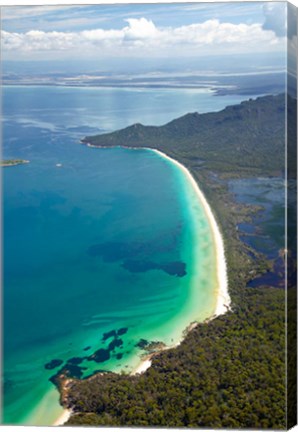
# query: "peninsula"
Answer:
x=243 y=139
x=228 y=371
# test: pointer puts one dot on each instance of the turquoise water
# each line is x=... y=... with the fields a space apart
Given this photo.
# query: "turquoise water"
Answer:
x=113 y=240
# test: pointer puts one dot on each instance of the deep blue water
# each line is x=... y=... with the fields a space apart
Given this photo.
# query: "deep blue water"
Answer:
x=94 y=240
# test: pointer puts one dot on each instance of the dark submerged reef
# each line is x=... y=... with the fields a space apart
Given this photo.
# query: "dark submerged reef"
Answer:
x=71 y=368
x=53 y=364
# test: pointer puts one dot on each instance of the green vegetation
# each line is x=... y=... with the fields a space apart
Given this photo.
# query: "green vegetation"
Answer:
x=228 y=372
x=12 y=162
x=243 y=139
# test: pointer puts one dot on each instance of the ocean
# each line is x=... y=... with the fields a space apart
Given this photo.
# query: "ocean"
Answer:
x=104 y=250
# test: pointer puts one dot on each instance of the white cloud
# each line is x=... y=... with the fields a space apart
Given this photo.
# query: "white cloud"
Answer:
x=140 y=29
x=275 y=17
x=142 y=37
x=212 y=32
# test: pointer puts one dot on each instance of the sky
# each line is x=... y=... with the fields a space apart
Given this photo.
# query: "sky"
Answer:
x=77 y=33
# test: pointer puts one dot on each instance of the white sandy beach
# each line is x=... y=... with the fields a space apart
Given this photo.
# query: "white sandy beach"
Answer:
x=223 y=303
x=63 y=418
x=142 y=367
x=223 y=297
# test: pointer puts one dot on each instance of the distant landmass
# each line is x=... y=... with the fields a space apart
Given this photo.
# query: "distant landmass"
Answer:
x=221 y=83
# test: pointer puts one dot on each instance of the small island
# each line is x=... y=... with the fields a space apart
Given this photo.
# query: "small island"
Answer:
x=13 y=162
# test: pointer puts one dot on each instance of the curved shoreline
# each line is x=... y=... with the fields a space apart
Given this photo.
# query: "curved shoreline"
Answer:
x=223 y=298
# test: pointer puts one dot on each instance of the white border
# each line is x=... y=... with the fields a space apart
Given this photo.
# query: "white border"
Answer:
x=110 y=2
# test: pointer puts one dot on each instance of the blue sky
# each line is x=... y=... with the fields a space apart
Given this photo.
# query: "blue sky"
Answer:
x=75 y=18
x=138 y=31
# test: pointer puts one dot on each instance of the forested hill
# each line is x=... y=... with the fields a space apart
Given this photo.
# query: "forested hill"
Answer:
x=248 y=136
